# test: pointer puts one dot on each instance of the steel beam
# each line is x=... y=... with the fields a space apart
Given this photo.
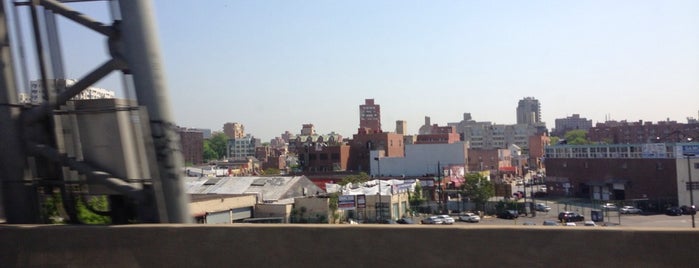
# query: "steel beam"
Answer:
x=142 y=56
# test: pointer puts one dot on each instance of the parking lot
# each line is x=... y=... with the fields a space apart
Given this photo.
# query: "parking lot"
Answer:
x=611 y=218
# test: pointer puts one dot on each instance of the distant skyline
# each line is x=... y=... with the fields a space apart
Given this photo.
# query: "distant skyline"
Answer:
x=275 y=65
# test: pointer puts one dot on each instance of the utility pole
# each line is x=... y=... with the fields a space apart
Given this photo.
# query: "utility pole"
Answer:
x=691 y=187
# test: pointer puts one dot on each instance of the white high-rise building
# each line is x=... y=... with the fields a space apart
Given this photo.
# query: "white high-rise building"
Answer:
x=36 y=92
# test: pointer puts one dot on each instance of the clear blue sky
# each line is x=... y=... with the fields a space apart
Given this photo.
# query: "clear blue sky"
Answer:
x=275 y=65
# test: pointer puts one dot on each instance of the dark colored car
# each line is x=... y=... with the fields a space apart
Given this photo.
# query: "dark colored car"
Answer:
x=405 y=221
x=569 y=216
x=673 y=211
x=508 y=214
x=688 y=210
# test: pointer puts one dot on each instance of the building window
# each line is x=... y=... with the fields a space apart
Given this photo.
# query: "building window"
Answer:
x=323 y=156
x=335 y=156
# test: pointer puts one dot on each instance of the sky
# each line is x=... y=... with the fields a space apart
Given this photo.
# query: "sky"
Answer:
x=276 y=65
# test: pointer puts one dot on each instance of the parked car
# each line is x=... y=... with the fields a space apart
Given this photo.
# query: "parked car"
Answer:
x=542 y=207
x=687 y=210
x=469 y=217
x=570 y=224
x=405 y=221
x=590 y=223
x=446 y=219
x=508 y=214
x=609 y=206
x=432 y=220
x=630 y=210
x=673 y=211
x=528 y=223
x=569 y=216
x=387 y=221
x=550 y=223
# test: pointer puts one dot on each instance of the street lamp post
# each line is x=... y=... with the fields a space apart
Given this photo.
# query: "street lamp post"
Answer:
x=691 y=186
x=378 y=174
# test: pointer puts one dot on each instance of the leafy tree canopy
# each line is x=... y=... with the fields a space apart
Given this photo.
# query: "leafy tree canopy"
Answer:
x=576 y=137
x=218 y=143
x=359 y=178
x=477 y=188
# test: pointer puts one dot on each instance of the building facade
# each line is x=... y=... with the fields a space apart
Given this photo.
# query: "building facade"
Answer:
x=643 y=132
x=528 y=111
x=192 y=145
x=656 y=174
x=36 y=92
x=234 y=130
x=402 y=127
x=361 y=145
x=486 y=135
x=437 y=134
x=242 y=148
x=569 y=123
x=370 y=116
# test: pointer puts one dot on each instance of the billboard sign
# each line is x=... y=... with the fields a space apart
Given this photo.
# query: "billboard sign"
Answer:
x=361 y=201
x=689 y=149
x=346 y=202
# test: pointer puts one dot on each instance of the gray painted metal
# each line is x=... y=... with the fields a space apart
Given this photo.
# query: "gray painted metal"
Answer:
x=241 y=213
x=218 y=217
x=141 y=53
x=18 y=194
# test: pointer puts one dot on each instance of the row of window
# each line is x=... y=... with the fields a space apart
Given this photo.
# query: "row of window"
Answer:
x=321 y=156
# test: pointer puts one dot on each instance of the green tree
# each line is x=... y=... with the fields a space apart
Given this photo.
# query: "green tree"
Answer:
x=209 y=153
x=272 y=171
x=416 y=197
x=576 y=137
x=358 y=178
x=333 y=205
x=554 y=140
x=218 y=143
x=477 y=188
x=98 y=203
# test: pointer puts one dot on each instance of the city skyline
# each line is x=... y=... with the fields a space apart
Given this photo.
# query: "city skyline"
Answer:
x=276 y=65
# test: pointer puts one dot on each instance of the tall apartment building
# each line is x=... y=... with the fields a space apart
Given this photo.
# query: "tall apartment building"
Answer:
x=369 y=137
x=569 y=123
x=528 y=111
x=234 y=130
x=36 y=92
x=241 y=148
x=370 y=117
x=643 y=132
x=308 y=130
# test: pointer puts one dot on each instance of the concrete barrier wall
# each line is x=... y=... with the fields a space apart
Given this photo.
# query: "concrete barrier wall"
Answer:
x=248 y=245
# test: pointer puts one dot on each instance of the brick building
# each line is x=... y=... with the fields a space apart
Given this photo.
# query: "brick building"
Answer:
x=389 y=144
x=437 y=134
x=370 y=116
x=192 y=141
x=643 y=132
x=655 y=172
